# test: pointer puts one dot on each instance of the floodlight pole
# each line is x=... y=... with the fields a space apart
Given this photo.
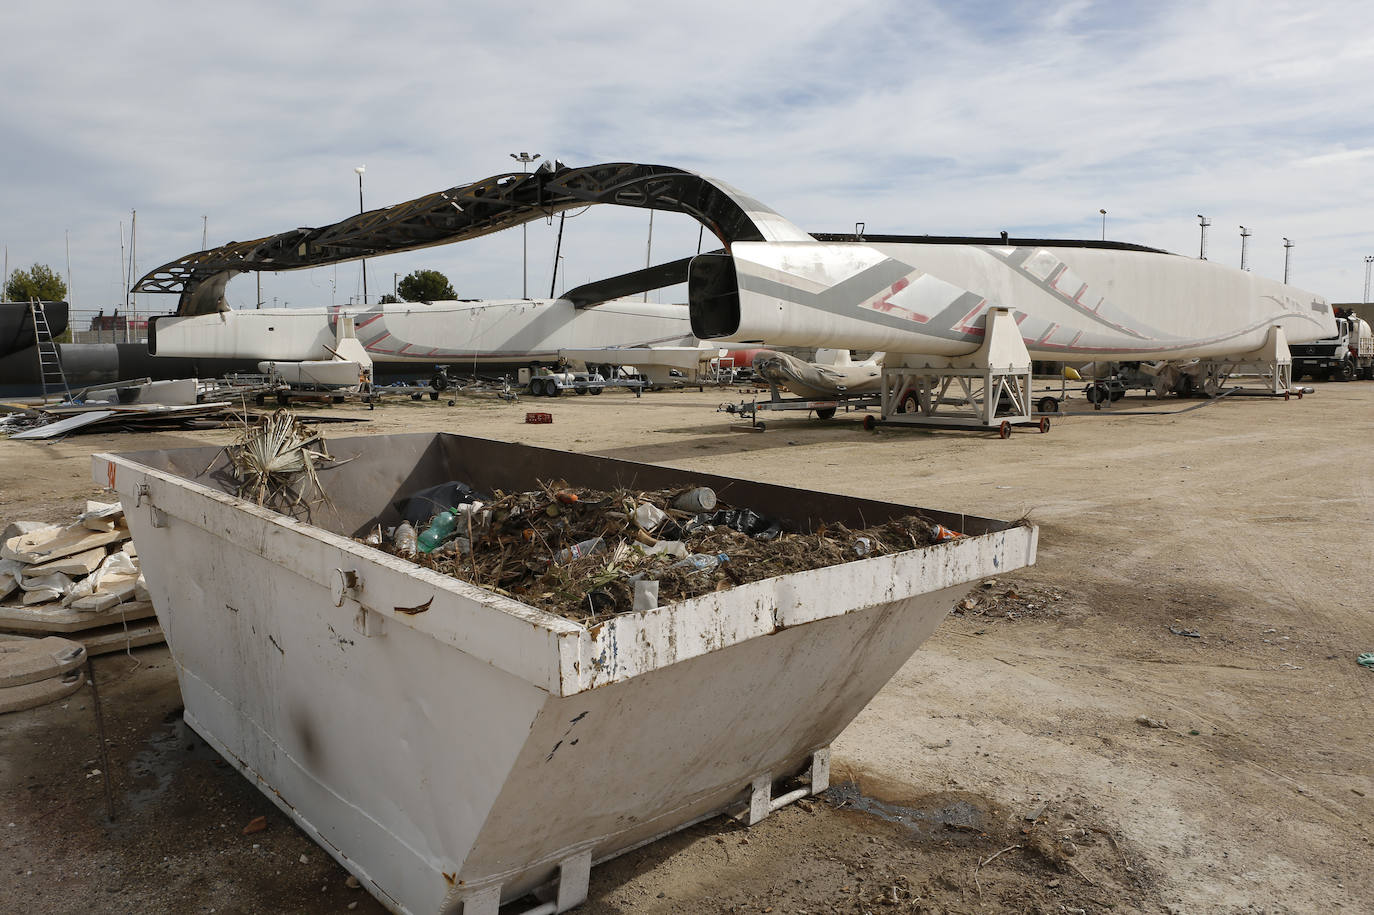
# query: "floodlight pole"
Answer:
x=1244 y=234
x=524 y=159
x=1287 y=250
x=360 y=169
x=1104 y=224
x=1368 y=262
x=1204 y=222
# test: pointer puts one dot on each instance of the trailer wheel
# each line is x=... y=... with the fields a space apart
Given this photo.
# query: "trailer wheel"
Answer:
x=596 y=389
x=1097 y=393
x=870 y=423
x=1044 y=424
x=909 y=404
x=551 y=388
x=439 y=382
x=414 y=396
x=1048 y=405
x=433 y=395
x=825 y=413
x=1004 y=430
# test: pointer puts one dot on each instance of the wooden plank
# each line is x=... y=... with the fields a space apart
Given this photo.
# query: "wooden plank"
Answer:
x=44 y=546
x=55 y=618
x=109 y=639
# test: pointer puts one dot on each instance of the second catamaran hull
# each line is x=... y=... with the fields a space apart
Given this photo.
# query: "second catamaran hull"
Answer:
x=479 y=333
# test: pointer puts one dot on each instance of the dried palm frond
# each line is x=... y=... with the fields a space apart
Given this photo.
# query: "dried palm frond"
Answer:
x=275 y=462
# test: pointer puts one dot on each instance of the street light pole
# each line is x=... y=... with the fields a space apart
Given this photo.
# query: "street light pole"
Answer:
x=1104 y=224
x=1204 y=222
x=1287 y=250
x=1244 y=234
x=524 y=159
x=1368 y=262
x=360 y=169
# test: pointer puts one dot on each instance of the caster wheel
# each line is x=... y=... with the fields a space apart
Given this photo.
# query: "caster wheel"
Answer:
x=1044 y=424
x=870 y=423
x=1004 y=430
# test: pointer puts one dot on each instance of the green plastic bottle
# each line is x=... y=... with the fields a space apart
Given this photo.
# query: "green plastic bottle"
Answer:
x=438 y=531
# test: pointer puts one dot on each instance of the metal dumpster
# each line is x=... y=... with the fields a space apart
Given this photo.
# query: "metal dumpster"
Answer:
x=455 y=749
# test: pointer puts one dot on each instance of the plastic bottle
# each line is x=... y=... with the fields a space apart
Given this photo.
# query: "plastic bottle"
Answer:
x=404 y=539
x=702 y=562
x=437 y=532
x=579 y=550
x=701 y=499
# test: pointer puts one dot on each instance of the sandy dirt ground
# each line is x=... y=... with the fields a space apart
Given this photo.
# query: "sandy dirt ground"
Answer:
x=1006 y=767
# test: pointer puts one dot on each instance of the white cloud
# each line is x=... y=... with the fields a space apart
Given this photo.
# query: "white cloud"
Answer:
x=940 y=118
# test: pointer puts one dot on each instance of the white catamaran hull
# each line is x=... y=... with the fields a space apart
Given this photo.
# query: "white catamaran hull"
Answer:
x=1072 y=303
x=482 y=333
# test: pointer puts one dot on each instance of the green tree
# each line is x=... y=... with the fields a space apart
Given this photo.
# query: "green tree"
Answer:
x=38 y=282
x=426 y=286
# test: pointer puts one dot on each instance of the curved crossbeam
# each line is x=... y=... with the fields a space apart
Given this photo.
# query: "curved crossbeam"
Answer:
x=455 y=215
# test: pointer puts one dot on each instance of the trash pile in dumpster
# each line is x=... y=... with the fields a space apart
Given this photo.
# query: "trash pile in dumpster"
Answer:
x=585 y=554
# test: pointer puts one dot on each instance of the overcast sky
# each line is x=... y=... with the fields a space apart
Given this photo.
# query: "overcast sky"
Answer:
x=912 y=117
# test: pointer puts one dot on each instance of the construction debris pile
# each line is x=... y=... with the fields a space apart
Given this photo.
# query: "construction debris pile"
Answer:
x=81 y=577
x=585 y=554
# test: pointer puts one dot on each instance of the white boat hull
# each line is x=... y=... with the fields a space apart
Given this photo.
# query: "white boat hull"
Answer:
x=1071 y=303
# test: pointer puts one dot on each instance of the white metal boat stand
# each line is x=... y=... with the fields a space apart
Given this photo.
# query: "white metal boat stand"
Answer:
x=991 y=387
x=1272 y=363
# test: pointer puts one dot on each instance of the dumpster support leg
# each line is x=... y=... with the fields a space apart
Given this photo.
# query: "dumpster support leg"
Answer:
x=574 y=877
x=761 y=800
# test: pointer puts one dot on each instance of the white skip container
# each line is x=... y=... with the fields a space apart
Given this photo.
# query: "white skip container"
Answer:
x=457 y=750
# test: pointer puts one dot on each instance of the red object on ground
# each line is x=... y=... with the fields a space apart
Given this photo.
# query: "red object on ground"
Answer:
x=538 y=417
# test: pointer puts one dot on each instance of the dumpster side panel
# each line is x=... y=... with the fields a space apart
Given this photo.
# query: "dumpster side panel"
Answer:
x=516 y=638
x=388 y=748
x=634 y=760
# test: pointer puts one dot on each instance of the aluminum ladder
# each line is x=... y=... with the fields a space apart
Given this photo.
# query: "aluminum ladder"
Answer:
x=50 y=372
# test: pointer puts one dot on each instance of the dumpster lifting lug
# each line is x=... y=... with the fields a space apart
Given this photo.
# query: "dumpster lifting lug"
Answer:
x=574 y=877
x=155 y=514
x=761 y=800
x=343 y=584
